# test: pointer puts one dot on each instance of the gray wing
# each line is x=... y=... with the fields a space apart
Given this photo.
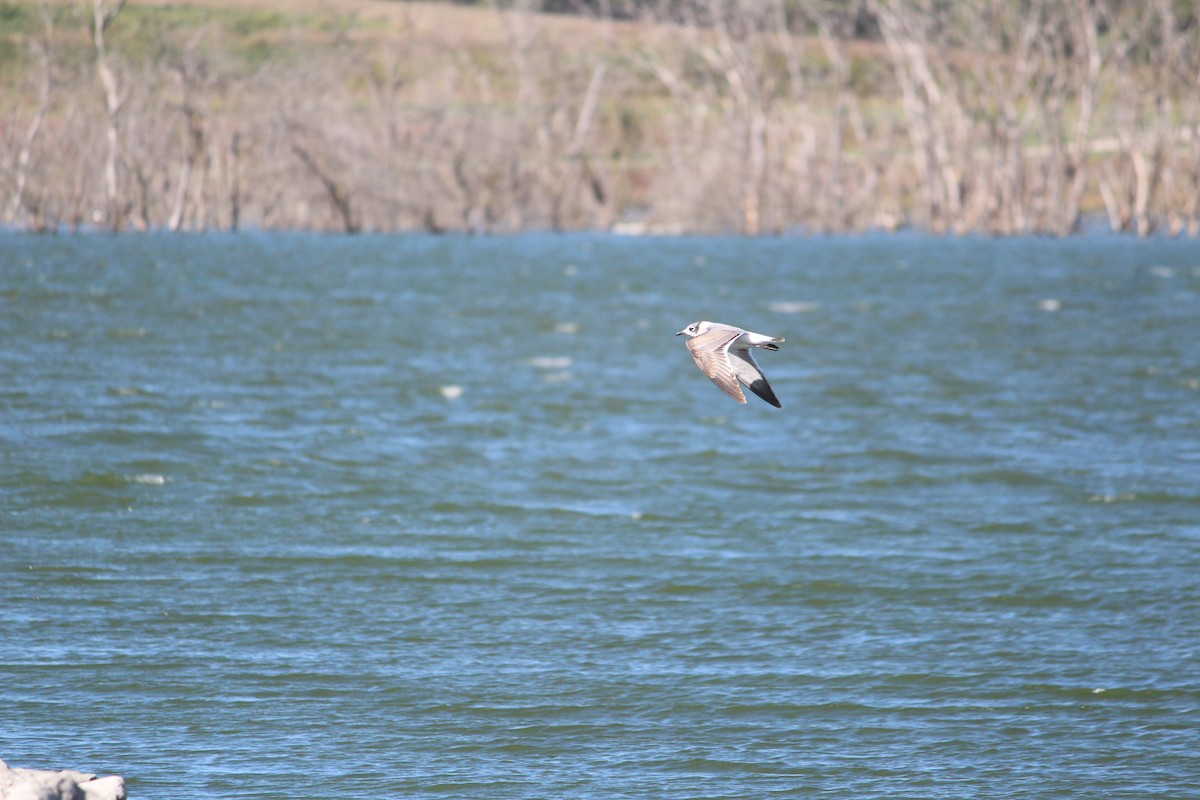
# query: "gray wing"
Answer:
x=747 y=371
x=711 y=351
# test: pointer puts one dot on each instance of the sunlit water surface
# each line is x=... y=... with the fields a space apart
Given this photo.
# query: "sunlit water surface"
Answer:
x=417 y=517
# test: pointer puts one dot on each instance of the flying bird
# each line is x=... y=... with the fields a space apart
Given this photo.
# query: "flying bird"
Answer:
x=722 y=352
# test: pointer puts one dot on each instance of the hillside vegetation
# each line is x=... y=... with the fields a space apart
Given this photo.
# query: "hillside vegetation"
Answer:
x=750 y=116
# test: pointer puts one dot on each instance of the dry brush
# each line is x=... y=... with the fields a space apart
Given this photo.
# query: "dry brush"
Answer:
x=750 y=116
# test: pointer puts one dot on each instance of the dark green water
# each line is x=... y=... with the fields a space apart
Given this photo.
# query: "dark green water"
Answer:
x=413 y=517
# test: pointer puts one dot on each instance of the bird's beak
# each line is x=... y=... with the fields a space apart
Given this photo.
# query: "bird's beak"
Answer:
x=682 y=332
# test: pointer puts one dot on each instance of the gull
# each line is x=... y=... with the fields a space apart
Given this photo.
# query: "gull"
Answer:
x=722 y=352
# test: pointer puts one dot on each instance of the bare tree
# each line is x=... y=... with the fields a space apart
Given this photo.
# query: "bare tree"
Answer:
x=850 y=182
x=191 y=74
x=43 y=47
x=339 y=193
x=387 y=78
x=1070 y=75
x=102 y=18
x=937 y=124
x=1151 y=141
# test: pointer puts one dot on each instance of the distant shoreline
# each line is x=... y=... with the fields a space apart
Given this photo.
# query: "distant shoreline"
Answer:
x=371 y=115
x=1092 y=226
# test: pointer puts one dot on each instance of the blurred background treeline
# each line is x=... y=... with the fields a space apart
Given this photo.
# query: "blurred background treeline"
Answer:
x=750 y=116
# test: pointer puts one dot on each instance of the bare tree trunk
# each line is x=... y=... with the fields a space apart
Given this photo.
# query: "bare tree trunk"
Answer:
x=190 y=74
x=102 y=17
x=338 y=195
x=175 y=222
x=586 y=174
x=756 y=172
x=587 y=111
x=1115 y=196
x=235 y=181
x=1147 y=170
x=1190 y=213
x=21 y=170
x=387 y=80
x=527 y=122
x=143 y=180
x=1086 y=23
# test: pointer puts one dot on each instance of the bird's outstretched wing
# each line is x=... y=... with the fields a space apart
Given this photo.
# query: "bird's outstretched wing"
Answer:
x=748 y=372
x=711 y=352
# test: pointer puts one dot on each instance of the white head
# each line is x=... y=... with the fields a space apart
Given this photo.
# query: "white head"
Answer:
x=696 y=328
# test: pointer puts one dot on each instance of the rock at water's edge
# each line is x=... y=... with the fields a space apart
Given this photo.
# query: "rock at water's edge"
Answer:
x=49 y=784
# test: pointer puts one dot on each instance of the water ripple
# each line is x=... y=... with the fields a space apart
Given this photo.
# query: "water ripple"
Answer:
x=457 y=517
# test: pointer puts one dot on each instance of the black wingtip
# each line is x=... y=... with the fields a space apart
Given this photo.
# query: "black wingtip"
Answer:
x=763 y=390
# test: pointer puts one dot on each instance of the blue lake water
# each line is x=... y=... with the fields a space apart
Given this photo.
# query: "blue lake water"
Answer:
x=442 y=517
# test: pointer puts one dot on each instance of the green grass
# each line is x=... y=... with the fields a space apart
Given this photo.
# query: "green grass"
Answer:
x=18 y=24
x=253 y=37
x=16 y=20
